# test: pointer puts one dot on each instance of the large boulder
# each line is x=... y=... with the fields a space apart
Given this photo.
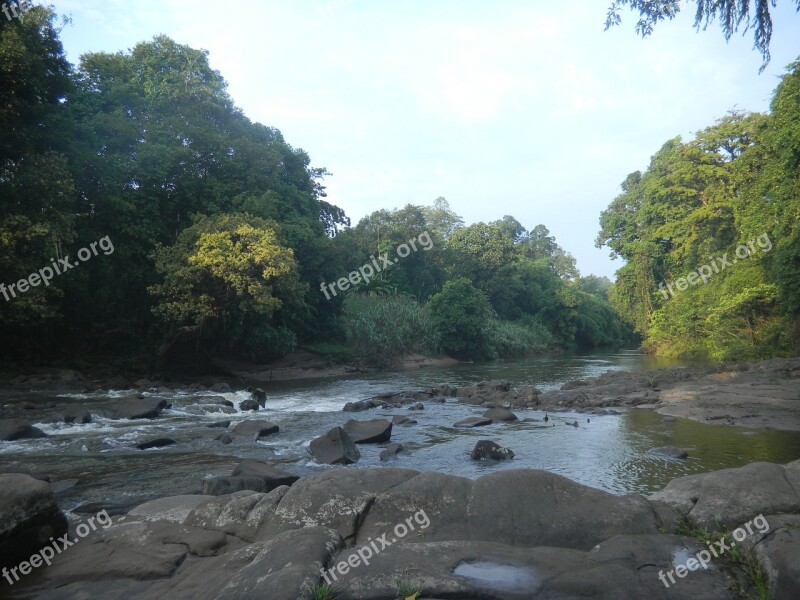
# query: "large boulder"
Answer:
x=376 y=431
x=249 y=404
x=29 y=517
x=776 y=547
x=256 y=429
x=13 y=429
x=133 y=407
x=272 y=476
x=334 y=448
x=732 y=496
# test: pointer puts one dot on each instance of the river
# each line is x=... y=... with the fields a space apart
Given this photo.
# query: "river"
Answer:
x=96 y=465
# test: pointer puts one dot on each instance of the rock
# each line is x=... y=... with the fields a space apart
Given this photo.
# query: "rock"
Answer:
x=29 y=517
x=25 y=405
x=225 y=438
x=248 y=405
x=133 y=407
x=74 y=415
x=487 y=449
x=335 y=448
x=732 y=496
x=256 y=429
x=29 y=473
x=219 y=486
x=671 y=452
x=221 y=388
x=272 y=476
x=391 y=451
x=259 y=396
x=220 y=425
x=214 y=400
x=376 y=431
x=500 y=414
x=12 y=429
x=173 y=509
x=776 y=548
x=473 y=422
x=403 y=421
x=156 y=443
x=417 y=406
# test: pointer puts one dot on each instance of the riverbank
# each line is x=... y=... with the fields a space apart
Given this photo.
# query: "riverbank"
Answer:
x=763 y=395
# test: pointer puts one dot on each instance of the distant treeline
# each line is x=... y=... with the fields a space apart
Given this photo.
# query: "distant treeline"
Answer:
x=221 y=231
x=711 y=238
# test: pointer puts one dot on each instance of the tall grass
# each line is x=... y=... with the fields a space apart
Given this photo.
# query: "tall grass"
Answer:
x=382 y=328
x=514 y=339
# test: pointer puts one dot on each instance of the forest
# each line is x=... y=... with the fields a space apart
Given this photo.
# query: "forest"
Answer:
x=222 y=236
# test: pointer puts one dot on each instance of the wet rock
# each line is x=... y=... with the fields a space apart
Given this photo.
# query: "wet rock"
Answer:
x=335 y=448
x=473 y=422
x=220 y=425
x=133 y=407
x=219 y=486
x=256 y=429
x=417 y=406
x=259 y=396
x=156 y=443
x=399 y=420
x=500 y=414
x=376 y=431
x=487 y=449
x=272 y=476
x=74 y=415
x=671 y=452
x=221 y=388
x=248 y=405
x=29 y=517
x=391 y=451
x=225 y=438
x=214 y=400
x=13 y=429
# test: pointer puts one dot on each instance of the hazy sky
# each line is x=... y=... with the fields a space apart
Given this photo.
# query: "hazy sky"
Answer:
x=525 y=108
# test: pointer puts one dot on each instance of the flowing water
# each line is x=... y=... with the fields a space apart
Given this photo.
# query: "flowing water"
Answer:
x=97 y=466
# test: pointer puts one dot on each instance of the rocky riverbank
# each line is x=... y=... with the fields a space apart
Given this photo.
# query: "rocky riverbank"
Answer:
x=509 y=535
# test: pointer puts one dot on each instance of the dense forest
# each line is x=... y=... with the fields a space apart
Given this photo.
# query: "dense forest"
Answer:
x=710 y=233
x=215 y=230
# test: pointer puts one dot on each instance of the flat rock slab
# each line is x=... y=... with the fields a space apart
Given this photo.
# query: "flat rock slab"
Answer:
x=256 y=428
x=132 y=407
x=732 y=496
x=173 y=509
x=272 y=476
x=376 y=431
x=473 y=422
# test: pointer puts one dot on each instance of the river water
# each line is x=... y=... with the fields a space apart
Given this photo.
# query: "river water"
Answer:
x=96 y=465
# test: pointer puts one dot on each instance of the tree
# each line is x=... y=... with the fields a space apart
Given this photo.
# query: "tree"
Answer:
x=732 y=15
x=461 y=313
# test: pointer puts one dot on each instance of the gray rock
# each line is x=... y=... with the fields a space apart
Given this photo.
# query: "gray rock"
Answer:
x=272 y=476
x=417 y=406
x=221 y=388
x=399 y=420
x=156 y=443
x=133 y=407
x=12 y=429
x=500 y=414
x=225 y=438
x=173 y=509
x=777 y=552
x=73 y=415
x=219 y=486
x=731 y=496
x=334 y=448
x=376 y=431
x=671 y=452
x=391 y=451
x=29 y=516
x=487 y=449
x=473 y=422
x=249 y=405
x=256 y=429
x=259 y=396
x=220 y=425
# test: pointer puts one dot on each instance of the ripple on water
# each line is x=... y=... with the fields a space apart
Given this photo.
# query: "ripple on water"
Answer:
x=498 y=576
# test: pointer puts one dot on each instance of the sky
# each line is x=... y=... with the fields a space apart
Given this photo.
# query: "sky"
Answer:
x=525 y=108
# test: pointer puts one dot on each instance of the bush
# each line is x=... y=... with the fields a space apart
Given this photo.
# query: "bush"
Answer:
x=460 y=313
x=382 y=328
x=513 y=339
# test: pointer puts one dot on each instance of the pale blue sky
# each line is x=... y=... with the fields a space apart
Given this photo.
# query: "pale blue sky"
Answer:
x=503 y=107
